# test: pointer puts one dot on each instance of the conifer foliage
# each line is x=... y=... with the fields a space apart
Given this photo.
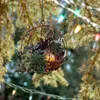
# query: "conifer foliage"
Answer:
x=45 y=41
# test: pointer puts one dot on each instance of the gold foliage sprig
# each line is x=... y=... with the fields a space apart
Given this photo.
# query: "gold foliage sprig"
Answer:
x=6 y=41
x=7 y=48
x=90 y=86
x=76 y=40
x=2 y=69
x=50 y=79
x=94 y=3
x=29 y=11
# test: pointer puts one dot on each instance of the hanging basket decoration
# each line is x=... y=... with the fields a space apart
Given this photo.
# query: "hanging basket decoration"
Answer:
x=40 y=51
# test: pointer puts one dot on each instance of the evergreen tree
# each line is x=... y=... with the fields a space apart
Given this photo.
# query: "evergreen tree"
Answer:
x=50 y=49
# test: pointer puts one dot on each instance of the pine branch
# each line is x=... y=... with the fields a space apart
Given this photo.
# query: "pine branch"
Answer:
x=93 y=84
x=87 y=77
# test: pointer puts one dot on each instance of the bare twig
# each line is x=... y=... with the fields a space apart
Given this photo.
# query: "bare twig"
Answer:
x=94 y=60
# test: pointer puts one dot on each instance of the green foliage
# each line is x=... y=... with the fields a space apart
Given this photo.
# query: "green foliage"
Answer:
x=56 y=48
x=76 y=40
x=6 y=42
x=52 y=79
x=97 y=62
x=27 y=13
x=2 y=69
x=38 y=62
x=91 y=91
x=31 y=61
x=7 y=48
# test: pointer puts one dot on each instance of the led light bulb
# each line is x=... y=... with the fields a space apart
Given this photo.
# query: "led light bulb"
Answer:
x=77 y=12
x=97 y=37
x=78 y=28
x=61 y=18
x=13 y=92
x=30 y=97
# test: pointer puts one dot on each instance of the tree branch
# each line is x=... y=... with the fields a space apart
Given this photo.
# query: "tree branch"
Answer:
x=80 y=16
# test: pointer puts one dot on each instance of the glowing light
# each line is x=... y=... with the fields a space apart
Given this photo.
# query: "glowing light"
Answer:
x=77 y=12
x=13 y=92
x=68 y=67
x=48 y=97
x=8 y=80
x=97 y=37
x=25 y=83
x=69 y=53
x=30 y=97
x=61 y=18
x=77 y=29
x=80 y=16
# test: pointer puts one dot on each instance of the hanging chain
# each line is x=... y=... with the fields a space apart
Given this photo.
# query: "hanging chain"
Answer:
x=42 y=12
x=42 y=15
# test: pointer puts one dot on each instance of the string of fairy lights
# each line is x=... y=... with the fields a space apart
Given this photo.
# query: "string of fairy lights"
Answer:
x=77 y=12
x=82 y=4
x=32 y=92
